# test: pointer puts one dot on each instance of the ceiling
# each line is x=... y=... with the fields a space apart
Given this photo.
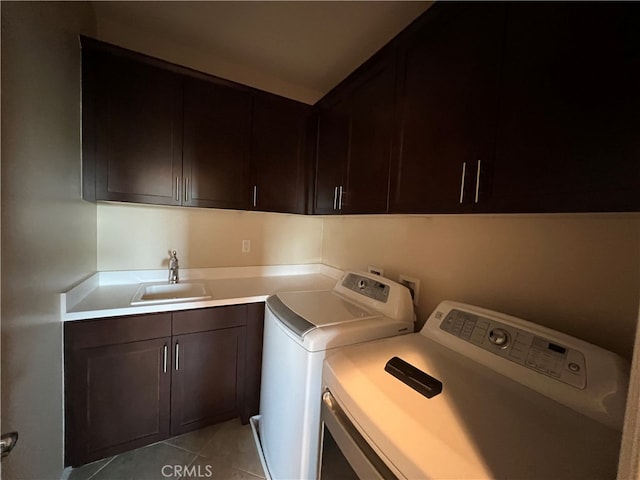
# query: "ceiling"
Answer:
x=311 y=44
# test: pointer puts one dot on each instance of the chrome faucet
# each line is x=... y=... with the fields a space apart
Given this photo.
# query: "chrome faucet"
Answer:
x=173 y=268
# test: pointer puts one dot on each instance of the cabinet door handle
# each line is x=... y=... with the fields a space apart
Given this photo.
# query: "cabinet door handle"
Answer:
x=177 y=189
x=340 y=198
x=177 y=356
x=255 y=195
x=478 y=181
x=464 y=172
x=164 y=358
x=186 y=189
x=335 y=198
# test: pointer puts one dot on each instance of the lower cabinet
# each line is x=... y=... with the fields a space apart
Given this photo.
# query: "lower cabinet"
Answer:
x=131 y=381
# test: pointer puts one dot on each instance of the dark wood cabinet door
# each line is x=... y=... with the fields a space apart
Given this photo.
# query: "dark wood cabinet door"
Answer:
x=278 y=158
x=371 y=126
x=217 y=136
x=448 y=97
x=332 y=154
x=120 y=397
x=207 y=378
x=138 y=130
x=570 y=110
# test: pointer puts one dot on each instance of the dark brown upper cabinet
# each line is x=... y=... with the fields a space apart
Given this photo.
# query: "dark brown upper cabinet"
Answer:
x=500 y=108
x=159 y=133
x=446 y=109
x=569 y=116
x=367 y=174
x=354 y=136
x=216 y=145
x=332 y=154
x=278 y=160
x=132 y=130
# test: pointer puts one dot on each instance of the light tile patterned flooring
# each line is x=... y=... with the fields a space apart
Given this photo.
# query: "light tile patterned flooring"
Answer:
x=225 y=451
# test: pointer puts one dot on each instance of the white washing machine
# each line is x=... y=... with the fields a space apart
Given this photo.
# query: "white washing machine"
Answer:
x=300 y=330
x=474 y=395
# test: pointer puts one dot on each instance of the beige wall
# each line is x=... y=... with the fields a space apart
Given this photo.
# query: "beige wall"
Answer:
x=578 y=273
x=48 y=233
x=138 y=237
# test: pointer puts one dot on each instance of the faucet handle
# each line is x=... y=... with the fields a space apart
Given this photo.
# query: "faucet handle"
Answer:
x=173 y=268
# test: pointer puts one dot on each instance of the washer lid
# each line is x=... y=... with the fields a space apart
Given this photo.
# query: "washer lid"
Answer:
x=323 y=308
x=481 y=425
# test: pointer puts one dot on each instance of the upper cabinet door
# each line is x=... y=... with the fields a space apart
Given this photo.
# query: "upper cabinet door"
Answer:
x=332 y=153
x=570 y=110
x=217 y=136
x=371 y=128
x=136 y=143
x=446 y=109
x=278 y=158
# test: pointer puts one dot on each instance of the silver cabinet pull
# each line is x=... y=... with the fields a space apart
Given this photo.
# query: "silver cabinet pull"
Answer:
x=464 y=172
x=177 y=356
x=186 y=189
x=335 y=198
x=255 y=195
x=164 y=358
x=177 y=189
x=478 y=181
x=340 y=198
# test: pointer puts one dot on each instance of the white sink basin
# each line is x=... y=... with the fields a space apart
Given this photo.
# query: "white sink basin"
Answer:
x=169 y=292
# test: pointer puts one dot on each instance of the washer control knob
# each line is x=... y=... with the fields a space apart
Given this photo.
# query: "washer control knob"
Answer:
x=362 y=284
x=499 y=337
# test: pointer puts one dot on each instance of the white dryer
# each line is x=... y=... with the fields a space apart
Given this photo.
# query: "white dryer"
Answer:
x=300 y=330
x=475 y=395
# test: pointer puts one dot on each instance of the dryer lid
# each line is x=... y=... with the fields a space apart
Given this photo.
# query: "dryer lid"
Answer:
x=481 y=425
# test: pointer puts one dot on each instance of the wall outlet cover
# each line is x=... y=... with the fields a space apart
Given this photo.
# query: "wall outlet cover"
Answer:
x=375 y=270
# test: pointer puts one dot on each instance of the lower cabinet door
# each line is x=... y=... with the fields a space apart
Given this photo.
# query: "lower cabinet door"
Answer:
x=120 y=396
x=207 y=378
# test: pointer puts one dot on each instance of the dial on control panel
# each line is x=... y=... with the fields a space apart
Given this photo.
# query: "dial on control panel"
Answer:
x=499 y=337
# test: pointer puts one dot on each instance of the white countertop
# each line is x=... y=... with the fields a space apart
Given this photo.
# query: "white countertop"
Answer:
x=109 y=294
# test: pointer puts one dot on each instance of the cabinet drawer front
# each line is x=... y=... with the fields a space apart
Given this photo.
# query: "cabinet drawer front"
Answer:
x=192 y=321
x=109 y=331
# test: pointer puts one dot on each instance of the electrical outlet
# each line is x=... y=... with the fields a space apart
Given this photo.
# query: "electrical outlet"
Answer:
x=413 y=284
x=375 y=270
x=246 y=246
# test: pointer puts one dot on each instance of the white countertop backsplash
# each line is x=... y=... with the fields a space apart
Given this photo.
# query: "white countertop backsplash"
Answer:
x=109 y=294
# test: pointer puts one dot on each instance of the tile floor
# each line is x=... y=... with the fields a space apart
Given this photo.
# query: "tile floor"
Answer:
x=219 y=452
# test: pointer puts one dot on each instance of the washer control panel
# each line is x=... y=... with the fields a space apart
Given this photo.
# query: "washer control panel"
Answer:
x=367 y=286
x=517 y=345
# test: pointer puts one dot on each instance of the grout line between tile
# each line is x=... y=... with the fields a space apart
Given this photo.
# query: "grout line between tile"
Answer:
x=180 y=448
x=102 y=467
x=248 y=472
